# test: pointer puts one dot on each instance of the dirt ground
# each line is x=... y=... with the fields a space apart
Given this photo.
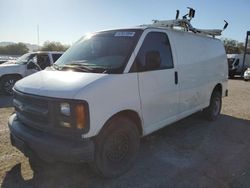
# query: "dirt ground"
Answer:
x=190 y=153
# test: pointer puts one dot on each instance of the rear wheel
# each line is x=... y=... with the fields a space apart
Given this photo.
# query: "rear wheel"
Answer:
x=116 y=147
x=8 y=83
x=213 y=110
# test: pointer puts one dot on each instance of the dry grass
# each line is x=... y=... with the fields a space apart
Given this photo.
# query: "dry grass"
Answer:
x=9 y=156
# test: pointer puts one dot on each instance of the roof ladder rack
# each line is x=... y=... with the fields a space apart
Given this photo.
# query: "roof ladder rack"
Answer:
x=185 y=24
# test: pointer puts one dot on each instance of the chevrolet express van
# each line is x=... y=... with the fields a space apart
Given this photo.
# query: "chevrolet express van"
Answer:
x=113 y=87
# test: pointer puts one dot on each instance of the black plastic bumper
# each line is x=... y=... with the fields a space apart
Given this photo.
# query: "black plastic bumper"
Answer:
x=47 y=147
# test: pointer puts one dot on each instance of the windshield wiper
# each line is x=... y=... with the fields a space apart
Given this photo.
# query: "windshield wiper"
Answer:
x=79 y=66
x=55 y=66
x=83 y=66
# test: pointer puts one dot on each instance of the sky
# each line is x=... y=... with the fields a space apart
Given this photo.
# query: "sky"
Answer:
x=66 y=21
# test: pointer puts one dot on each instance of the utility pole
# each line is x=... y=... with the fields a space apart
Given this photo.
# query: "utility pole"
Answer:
x=38 y=42
x=245 y=52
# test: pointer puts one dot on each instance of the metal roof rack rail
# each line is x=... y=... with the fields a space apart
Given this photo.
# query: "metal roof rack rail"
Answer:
x=185 y=24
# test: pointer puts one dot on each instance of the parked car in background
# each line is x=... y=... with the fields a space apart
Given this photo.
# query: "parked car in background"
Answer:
x=29 y=63
x=235 y=64
x=247 y=74
x=5 y=58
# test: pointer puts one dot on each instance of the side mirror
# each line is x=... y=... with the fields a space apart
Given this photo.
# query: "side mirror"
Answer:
x=237 y=62
x=153 y=60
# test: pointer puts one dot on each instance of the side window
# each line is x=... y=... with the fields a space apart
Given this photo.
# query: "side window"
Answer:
x=154 y=54
x=56 y=57
x=43 y=61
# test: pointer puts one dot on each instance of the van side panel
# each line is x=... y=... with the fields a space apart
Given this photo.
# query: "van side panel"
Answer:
x=202 y=64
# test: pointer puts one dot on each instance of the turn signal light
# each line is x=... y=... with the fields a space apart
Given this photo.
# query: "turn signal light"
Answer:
x=80 y=116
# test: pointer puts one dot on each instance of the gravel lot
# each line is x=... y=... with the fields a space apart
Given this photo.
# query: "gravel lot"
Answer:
x=190 y=153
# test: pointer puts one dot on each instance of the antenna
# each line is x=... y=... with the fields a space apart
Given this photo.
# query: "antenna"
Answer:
x=38 y=42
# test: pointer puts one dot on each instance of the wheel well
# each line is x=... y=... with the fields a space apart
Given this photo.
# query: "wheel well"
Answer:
x=9 y=75
x=218 y=88
x=130 y=114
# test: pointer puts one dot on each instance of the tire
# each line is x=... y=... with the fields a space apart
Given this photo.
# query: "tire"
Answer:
x=8 y=83
x=116 y=147
x=41 y=168
x=38 y=166
x=213 y=110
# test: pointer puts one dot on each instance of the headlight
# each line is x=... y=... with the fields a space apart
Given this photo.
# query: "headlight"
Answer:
x=65 y=109
x=74 y=115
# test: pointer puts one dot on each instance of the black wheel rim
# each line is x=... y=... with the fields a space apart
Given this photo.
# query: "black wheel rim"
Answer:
x=117 y=147
x=8 y=85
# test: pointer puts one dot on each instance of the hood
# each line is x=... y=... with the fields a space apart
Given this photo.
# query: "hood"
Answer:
x=9 y=62
x=58 y=84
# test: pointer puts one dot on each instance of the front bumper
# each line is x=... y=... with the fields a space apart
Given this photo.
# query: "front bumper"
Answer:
x=49 y=147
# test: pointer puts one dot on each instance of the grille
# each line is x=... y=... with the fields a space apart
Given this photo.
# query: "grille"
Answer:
x=43 y=114
x=32 y=110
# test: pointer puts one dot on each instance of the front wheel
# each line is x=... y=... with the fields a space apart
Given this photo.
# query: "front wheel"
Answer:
x=213 y=110
x=116 y=147
x=8 y=83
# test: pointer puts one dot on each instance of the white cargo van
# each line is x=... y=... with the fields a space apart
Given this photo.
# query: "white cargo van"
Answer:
x=29 y=63
x=113 y=87
x=235 y=64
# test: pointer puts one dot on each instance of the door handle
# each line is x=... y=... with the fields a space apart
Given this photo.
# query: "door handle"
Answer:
x=176 y=77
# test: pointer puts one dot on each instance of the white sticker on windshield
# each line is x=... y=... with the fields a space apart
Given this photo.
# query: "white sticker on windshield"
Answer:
x=124 y=34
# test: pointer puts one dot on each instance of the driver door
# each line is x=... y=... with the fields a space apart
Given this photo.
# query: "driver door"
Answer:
x=32 y=66
x=159 y=91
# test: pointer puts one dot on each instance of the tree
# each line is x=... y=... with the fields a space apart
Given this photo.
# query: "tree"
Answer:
x=233 y=46
x=14 y=49
x=54 y=46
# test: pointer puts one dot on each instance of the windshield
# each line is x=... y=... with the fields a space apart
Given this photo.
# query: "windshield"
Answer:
x=104 y=52
x=24 y=58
